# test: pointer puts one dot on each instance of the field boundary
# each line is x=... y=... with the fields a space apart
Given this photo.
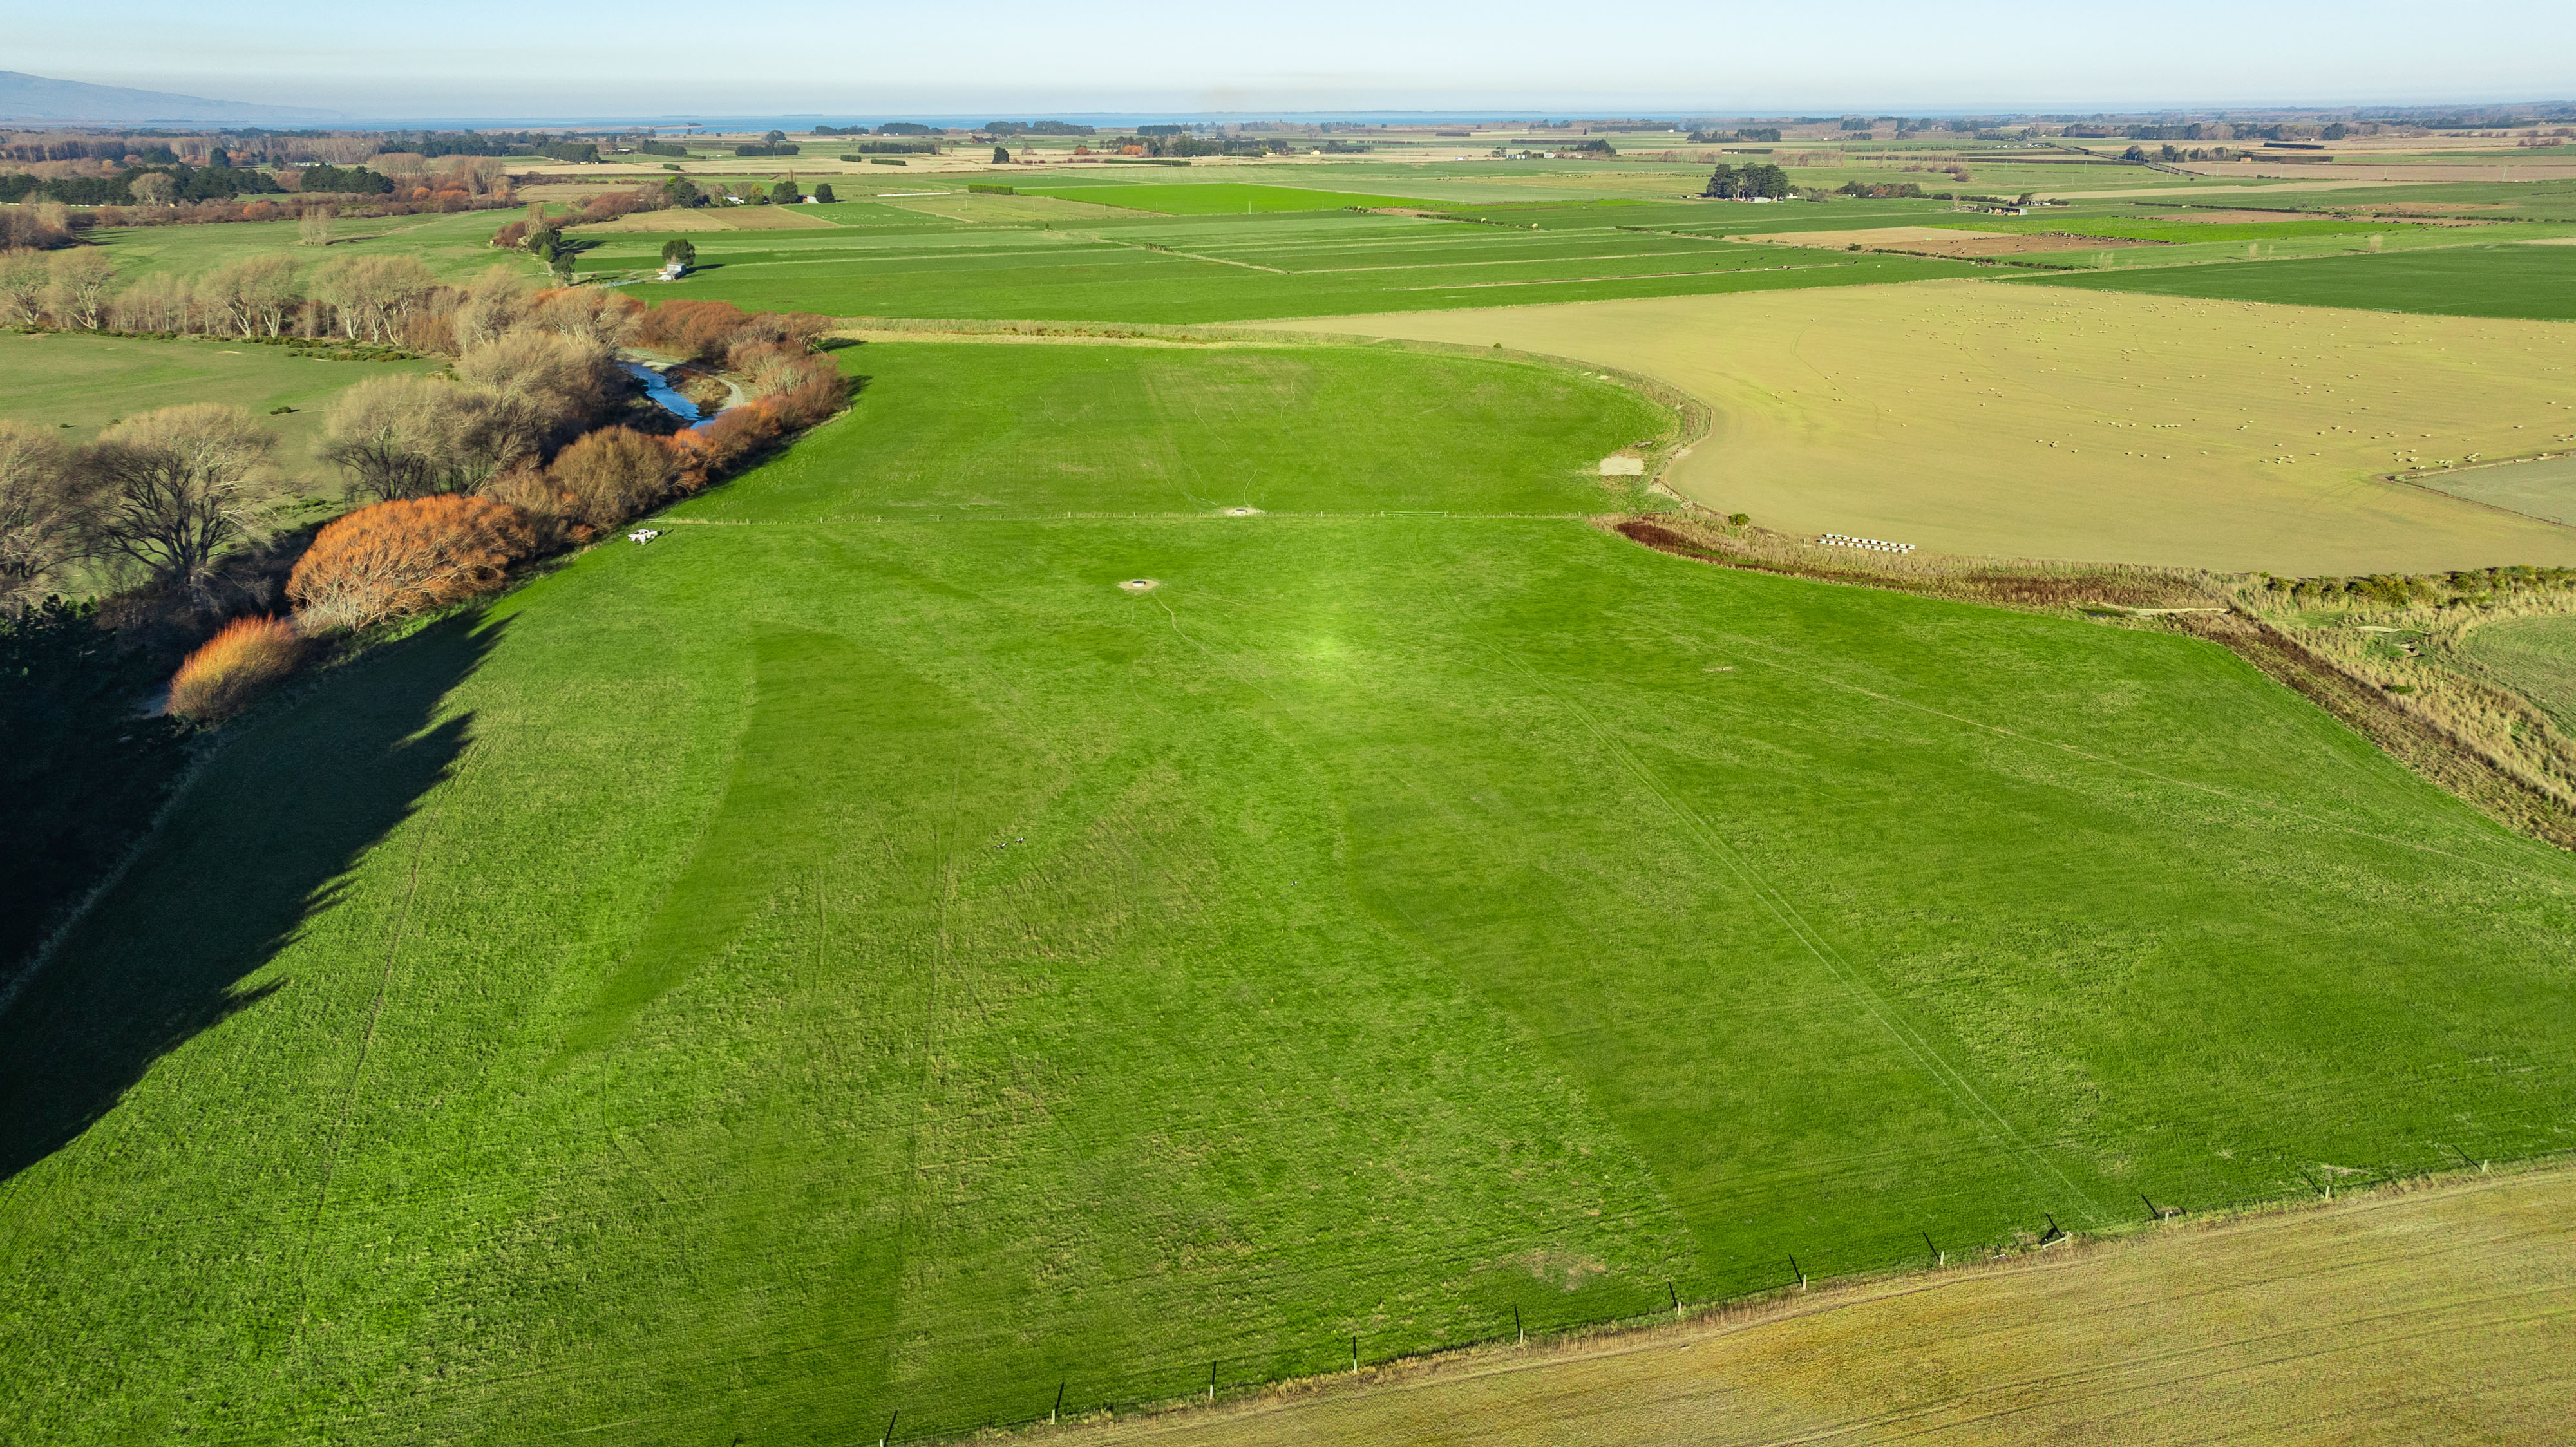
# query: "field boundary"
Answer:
x=1622 y=1336
x=2197 y=605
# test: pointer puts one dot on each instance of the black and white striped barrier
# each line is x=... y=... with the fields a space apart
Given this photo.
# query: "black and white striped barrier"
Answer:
x=1875 y=545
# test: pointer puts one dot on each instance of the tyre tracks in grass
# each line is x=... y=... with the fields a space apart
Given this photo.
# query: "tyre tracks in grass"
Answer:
x=1910 y=1040
x=352 y=1093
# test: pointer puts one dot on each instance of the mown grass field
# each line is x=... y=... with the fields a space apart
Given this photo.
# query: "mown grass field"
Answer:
x=2499 y=281
x=2084 y=423
x=2406 y=1318
x=852 y=956
x=80 y=383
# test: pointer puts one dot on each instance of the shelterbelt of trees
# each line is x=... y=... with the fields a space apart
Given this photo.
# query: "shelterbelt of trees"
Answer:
x=531 y=441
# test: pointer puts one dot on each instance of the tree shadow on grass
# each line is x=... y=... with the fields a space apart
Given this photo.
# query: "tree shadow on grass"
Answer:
x=261 y=845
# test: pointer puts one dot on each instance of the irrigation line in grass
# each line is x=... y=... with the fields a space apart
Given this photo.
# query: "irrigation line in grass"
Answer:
x=1187 y=255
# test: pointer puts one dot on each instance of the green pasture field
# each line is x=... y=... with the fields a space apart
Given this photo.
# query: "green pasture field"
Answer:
x=453 y=245
x=2535 y=657
x=1179 y=270
x=1225 y=198
x=79 y=383
x=2541 y=488
x=2538 y=282
x=852 y=957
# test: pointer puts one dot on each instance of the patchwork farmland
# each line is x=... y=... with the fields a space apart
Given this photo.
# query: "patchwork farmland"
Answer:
x=1178 y=842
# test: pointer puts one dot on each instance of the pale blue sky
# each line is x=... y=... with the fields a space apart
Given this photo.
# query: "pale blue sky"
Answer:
x=488 y=58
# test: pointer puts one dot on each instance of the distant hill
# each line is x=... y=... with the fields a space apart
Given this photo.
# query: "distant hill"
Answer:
x=36 y=98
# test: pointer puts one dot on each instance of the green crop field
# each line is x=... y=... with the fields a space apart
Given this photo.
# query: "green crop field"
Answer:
x=1221 y=198
x=855 y=957
x=2538 y=282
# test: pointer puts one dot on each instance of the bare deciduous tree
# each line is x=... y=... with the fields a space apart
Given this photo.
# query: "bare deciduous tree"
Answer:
x=547 y=388
x=253 y=296
x=171 y=489
x=595 y=314
x=76 y=290
x=406 y=437
x=157 y=303
x=24 y=279
x=40 y=512
x=374 y=295
x=154 y=188
x=494 y=303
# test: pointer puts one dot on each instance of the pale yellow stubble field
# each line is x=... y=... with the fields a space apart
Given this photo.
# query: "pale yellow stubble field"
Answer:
x=2029 y=421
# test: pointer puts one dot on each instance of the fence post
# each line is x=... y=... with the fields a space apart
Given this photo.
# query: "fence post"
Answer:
x=1517 y=1329
x=1053 y=1411
x=1355 y=1354
x=1801 y=1275
x=891 y=1418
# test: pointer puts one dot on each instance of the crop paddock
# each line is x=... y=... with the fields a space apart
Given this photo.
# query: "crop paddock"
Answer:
x=2063 y=423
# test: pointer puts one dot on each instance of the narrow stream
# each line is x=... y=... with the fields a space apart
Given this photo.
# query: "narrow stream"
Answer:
x=665 y=396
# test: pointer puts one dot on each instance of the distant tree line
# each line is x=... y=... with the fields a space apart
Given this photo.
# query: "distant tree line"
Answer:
x=179 y=183
x=1044 y=128
x=1751 y=133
